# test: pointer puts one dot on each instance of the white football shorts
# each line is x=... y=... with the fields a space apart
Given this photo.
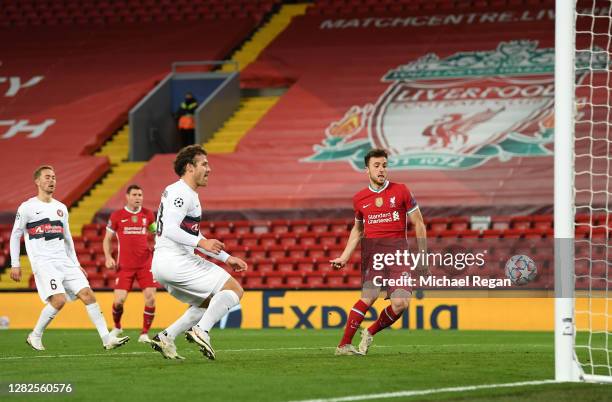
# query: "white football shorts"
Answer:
x=55 y=277
x=188 y=277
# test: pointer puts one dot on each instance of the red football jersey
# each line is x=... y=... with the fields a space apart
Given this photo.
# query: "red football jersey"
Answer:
x=384 y=211
x=131 y=229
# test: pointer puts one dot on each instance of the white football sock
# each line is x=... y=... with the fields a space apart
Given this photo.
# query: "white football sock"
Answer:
x=96 y=316
x=218 y=307
x=46 y=316
x=187 y=320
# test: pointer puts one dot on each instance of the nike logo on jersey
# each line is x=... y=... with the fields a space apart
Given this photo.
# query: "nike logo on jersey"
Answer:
x=366 y=205
x=123 y=220
x=38 y=212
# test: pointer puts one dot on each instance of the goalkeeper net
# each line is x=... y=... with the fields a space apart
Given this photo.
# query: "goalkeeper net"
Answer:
x=592 y=189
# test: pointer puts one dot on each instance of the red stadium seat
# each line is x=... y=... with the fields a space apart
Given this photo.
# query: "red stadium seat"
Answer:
x=438 y=224
x=513 y=233
x=543 y=222
x=319 y=226
x=242 y=227
x=297 y=251
x=340 y=226
x=222 y=228
x=315 y=280
x=285 y=265
x=354 y=281
x=461 y=223
x=295 y=280
x=328 y=239
x=91 y=230
x=268 y=239
x=249 y=239
x=274 y=280
x=500 y=222
x=98 y=283
x=264 y=267
x=258 y=252
x=279 y=226
x=521 y=223
x=254 y=281
x=96 y=247
x=300 y=226
x=308 y=239
x=240 y=252
x=317 y=252
x=230 y=242
x=288 y=239
x=335 y=279
x=277 y=252
x=305 y=264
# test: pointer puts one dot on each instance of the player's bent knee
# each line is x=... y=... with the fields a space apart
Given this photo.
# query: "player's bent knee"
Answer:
x=233 y=285
x=87 y=296
x=57 y=301
x=400 y=304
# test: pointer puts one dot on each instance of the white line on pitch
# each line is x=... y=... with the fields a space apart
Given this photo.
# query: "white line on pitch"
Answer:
x=399 y=394
x=453 y=345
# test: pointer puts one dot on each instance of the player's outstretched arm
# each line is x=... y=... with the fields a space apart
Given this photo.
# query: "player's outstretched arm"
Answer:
x=351 y=245
x=109 y=262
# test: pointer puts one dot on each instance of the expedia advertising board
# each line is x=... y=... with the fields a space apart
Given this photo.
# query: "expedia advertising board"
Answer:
x=305 y=310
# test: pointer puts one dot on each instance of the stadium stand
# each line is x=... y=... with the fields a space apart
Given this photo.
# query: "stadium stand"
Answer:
x=333 y=69
x=59 y=103
x=58 y=13
x=333 y=59
x=296 y=253
x=82 y=85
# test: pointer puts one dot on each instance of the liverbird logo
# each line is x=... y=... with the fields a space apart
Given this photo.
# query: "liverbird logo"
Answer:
x=457 y=112
x=451 y=130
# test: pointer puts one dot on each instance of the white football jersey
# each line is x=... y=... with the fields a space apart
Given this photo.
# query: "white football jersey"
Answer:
x=178 y=219
x=46 y=230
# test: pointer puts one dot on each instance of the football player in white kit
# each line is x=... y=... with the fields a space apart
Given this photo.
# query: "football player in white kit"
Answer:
x=57 y=271
x=209 y=290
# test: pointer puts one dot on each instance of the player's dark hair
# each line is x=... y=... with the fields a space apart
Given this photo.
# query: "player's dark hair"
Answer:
x=186 y=156
x=133 y=187
x=39 y=169
x=375 y=153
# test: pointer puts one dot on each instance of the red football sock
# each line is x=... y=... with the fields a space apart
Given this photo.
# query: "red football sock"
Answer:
x=386 y=318
x=354 y=321
x=117 y=313
x=147 y=318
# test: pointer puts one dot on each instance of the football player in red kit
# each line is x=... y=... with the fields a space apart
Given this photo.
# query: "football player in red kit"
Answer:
x=381 y=212
x=131 y=225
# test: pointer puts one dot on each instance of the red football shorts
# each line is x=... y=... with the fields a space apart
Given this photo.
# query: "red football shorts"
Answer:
x=126 y=276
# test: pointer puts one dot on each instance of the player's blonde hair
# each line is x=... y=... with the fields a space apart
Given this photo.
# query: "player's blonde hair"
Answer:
x=39 y=169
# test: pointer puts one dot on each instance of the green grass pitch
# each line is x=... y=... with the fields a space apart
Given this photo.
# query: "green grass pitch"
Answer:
x=286 y=365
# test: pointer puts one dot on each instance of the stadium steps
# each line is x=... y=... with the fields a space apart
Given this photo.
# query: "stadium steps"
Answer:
x=26 y=272
x=250 y=111
x=118 y=176
x=265 y=35
x=118 y=147
x=121 y=172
